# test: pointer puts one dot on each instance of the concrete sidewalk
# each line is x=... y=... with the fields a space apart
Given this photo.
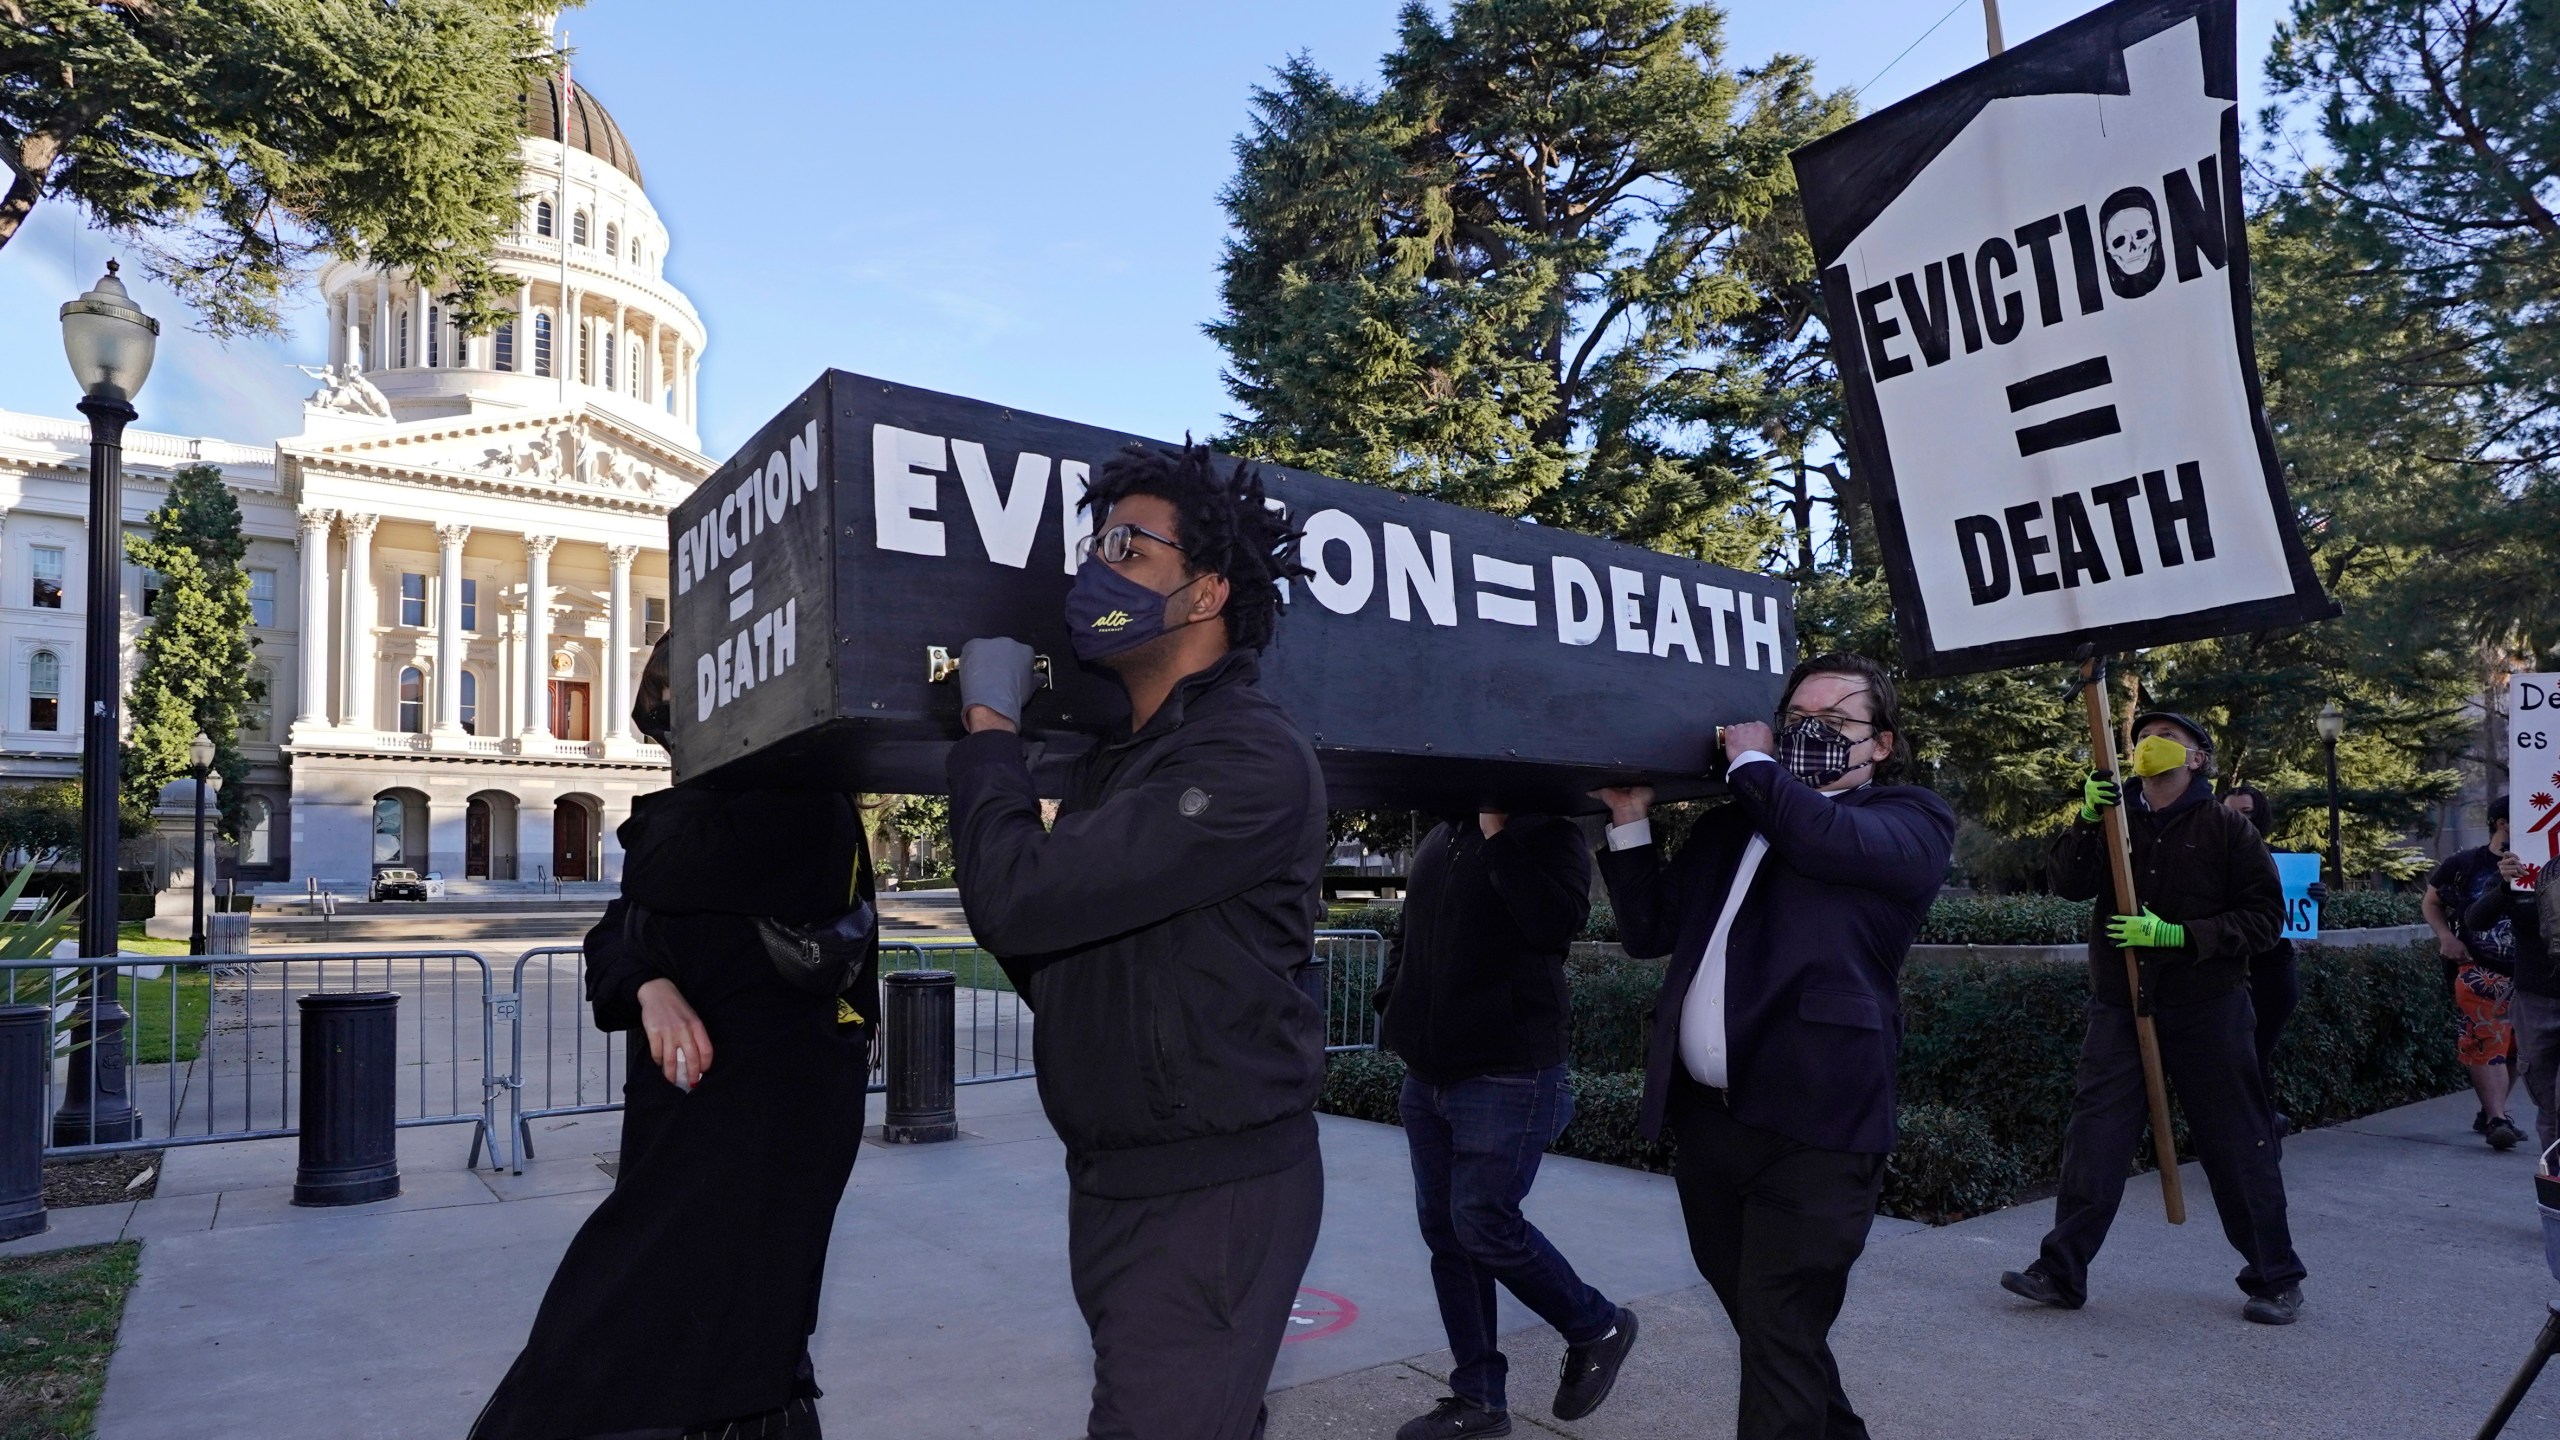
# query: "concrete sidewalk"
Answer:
x=947 y=1311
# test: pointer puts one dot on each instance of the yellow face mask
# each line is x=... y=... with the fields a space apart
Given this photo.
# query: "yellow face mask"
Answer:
x=2157 y=755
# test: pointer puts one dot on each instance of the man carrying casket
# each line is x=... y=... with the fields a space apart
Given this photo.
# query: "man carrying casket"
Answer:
x=1154 y=929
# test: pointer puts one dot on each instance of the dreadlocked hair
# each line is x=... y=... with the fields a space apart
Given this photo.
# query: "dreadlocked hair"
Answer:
x=1230 y=527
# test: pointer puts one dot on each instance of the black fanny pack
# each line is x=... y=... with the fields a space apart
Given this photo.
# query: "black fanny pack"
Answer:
x=820 y=959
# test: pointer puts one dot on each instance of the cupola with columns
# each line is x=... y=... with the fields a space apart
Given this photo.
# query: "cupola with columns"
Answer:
x=594 y=322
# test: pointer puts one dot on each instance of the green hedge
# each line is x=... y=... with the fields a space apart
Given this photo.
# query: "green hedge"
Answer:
x=1989 y=1051
x=1978 y=919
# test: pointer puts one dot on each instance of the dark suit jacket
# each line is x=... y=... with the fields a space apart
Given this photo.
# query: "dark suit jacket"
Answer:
x=1813 y=1014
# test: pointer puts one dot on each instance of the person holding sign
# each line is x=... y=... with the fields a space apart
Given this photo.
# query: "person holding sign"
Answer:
x=1154 y=930
x=1786 y=916
x=2480 y=965
x=2210 y=902
x=2534 y=1007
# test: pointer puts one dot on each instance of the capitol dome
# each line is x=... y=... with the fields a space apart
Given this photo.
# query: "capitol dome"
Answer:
x=591 y=126
x=594 y=322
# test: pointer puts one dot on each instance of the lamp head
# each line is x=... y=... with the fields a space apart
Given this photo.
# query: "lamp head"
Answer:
x=200 y=752
x=2333 y=722
x=108 y=340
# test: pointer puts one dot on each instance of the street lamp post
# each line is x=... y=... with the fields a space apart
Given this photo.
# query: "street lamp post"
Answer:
x=2333 y=723
x=109 y=342
x=200 y=765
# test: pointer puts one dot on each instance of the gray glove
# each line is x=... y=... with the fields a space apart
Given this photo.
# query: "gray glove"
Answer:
x=996 y=672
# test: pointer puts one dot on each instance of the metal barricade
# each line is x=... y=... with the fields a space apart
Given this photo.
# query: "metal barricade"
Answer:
x=991 y=1027
x=560 y=1064
x=211 y=1045
x=578 y=1069
x=1354 y=964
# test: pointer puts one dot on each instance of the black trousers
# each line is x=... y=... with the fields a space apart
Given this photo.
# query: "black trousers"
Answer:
x=2275 y=987
x=1187 y=1296
x=1774 y=1225
x=2209 y=1051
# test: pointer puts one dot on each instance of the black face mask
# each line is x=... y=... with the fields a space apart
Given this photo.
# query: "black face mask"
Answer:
x=1814 y=752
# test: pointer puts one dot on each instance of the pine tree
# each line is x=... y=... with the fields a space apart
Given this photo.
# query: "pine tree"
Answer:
x=195 y=672
x=237 y=141
x=1551 y=266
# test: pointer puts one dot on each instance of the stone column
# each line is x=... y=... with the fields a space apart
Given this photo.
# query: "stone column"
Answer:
x=351 y=350
x=622 y=380
x=523 y=358
x=313 y=636
x=537 y=636
x=418 y=351
x=449 y=542
x=380 y=359
x=617 y=645
x=356 y=669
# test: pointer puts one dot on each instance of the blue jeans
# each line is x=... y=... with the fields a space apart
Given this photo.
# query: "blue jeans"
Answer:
x=1476 y=1146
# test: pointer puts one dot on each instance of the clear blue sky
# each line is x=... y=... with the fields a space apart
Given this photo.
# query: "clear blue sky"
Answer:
x=1012 y=201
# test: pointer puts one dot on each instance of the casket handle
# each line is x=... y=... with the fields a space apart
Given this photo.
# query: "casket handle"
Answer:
x=940 y=665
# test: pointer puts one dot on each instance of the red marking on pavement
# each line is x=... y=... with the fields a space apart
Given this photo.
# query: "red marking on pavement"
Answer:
x=1316 y=1313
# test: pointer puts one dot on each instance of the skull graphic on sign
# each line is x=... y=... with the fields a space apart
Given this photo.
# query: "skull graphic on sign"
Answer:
x=2130 y=223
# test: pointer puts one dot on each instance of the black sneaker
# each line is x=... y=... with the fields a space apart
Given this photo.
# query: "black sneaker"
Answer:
x=2480 y=1123
x=2037 y=1286
x=1453 y=1418
x=2503 y=1134
x=2281 y=1308
x=1589 y=1370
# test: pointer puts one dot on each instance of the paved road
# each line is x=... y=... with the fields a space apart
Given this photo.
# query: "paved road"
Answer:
x=948 y=1312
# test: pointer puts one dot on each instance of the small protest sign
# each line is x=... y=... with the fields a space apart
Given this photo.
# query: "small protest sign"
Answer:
x=2299 y=873
x=2533 y=772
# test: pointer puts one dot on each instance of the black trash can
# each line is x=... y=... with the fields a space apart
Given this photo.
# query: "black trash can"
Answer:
x=921 y=1006
x=26 y=1055
x=350 y=1068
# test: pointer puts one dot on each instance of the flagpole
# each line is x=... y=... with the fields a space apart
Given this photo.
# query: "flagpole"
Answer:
x=564 y=345
x=1991 y=27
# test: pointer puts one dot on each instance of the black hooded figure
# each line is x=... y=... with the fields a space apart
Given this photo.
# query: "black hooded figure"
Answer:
x=685 y=1303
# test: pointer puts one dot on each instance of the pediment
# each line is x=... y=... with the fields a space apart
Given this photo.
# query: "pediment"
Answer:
x=576 y=456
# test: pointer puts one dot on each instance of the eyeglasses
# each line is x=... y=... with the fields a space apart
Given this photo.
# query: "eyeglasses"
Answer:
x=1115 y=545
x=1831 y=718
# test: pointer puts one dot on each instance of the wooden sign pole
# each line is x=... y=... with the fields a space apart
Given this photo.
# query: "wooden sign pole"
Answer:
x=2102 y=752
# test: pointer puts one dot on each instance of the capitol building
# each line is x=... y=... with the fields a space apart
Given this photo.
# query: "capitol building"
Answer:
x=456 y=568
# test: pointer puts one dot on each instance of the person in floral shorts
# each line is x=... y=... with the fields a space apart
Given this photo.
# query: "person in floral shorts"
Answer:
x=2482 y=966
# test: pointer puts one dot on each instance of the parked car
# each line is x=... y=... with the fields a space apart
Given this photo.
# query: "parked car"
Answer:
x=397 y=885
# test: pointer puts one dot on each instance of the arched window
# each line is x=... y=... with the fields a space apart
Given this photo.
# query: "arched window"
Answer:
x=413 y=701
x=608 y=359
x=542 y=344
x=578 y=228
x=541 y=217
x=44 y=691
x=470 y=703
x=404 y=340
x=504 y=342
x=586 y=355
x=612 y=241
x=257 y=833
x=435 y=337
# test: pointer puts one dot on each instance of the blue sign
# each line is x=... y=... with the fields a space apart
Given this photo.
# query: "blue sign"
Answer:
x=2301 y=913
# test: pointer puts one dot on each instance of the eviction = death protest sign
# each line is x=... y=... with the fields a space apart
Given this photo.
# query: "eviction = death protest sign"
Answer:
x=2037 y=283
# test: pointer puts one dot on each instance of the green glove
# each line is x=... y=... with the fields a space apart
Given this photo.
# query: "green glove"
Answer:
x=2096 y=794
x=2146 y=931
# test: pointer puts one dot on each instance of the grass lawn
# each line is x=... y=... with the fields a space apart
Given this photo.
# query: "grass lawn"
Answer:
x=129 y=938
x=149 y=1001
x=58 y=1318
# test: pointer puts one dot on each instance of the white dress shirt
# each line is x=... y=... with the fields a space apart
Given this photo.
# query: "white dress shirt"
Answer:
x=1703 y=1048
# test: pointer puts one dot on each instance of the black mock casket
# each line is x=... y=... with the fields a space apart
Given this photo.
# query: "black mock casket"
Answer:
x=1441 y=658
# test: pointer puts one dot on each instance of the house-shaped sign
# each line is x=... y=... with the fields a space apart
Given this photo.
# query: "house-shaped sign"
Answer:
x=2036 y=280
